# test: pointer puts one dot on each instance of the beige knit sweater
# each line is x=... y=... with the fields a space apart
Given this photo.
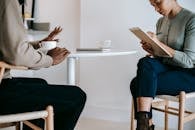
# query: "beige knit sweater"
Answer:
x=14 y=46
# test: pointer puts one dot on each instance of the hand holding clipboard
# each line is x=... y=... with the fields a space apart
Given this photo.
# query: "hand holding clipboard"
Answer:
x=158 y=49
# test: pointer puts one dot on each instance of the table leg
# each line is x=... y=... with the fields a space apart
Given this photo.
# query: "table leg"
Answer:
x=71 y=71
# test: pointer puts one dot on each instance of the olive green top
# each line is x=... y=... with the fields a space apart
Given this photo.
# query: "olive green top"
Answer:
x=179 y=34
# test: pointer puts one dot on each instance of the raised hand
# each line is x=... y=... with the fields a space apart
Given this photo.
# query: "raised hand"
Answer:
x=52 y=35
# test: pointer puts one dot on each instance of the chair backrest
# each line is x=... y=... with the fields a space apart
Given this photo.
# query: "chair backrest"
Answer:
x=15 y=119
x=4 y=66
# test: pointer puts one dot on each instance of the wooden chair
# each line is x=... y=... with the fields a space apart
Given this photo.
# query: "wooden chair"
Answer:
x=17 y=119
x=161 y=103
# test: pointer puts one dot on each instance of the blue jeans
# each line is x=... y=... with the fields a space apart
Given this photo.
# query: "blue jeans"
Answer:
x=156 y=78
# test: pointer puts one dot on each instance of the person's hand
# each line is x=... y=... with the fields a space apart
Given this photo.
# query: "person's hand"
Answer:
x=155 y=39
x=153 y=36
x=58 y=54
x=147 y=47
x=52 y=35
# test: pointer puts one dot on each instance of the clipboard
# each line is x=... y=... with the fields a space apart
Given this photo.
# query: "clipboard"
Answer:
x=158 y=49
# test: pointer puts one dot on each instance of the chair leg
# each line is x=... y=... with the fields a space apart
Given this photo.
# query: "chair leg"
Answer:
x=132 y=117
x=18 y=126
x=166 y=114
x=49 y=119
x=181 y=110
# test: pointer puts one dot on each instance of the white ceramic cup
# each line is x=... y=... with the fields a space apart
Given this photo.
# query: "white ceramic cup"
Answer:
x=104 y=44
x=48 y=45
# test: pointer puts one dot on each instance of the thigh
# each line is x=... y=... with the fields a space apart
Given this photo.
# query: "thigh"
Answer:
x=172 y=82
x=37 y=95
x=153 y=65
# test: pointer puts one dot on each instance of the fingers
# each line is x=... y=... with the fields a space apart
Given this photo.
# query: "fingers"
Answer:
x=143 y=42
x=146 y=46
x=58 y=55
x=58 y=29
x=63 y=51
x=55 y=32
x=60 y=51
x=148 y=49
x=151 y=34
x=57 y=40
x=66 y=54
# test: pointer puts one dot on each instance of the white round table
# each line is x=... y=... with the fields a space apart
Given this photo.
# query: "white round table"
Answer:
x=71 y=60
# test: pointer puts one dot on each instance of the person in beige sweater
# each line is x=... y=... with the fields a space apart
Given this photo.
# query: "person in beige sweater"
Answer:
x=29 y=94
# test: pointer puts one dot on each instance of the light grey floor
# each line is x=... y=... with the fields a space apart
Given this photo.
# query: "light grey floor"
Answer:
x=10 y=128
x=95 y=124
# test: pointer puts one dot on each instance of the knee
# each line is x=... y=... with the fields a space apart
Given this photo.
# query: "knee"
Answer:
x=144 y=62
x=82 y=96
x=133 y=87
x=39 y=80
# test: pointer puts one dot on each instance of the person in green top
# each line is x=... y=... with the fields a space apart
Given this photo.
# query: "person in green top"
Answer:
x=175 y=31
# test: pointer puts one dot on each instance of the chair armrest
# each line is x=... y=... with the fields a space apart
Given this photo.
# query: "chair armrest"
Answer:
x=8 y=66
x=4 y=66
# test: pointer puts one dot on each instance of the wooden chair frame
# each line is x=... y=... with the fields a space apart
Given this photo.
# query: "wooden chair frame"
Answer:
x=182 y=114
x=17 y=119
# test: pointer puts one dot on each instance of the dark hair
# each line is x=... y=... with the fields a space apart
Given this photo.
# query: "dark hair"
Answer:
x=21 y=2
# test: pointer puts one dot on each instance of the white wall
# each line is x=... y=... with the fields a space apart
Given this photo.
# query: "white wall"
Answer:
x=108 y=90
x=105 y=80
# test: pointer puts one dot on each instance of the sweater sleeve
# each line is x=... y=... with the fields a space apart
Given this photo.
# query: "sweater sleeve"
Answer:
x=15 y=47
x=35 y=44
x=186 y=58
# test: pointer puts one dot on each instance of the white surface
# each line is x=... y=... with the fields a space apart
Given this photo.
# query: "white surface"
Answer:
x=87 y=54
x=106 y=44
x=48 y=45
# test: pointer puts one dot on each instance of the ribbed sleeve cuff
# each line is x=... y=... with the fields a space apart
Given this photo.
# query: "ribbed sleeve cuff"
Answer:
x=177 y=56
x=49 y=61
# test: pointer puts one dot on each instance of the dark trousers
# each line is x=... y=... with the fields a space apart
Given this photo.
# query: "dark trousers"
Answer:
x=29 y=94
x=156 y=78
